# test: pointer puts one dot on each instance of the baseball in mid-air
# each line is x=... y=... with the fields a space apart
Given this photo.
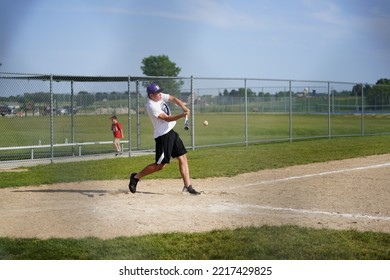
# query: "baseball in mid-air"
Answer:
x=206 y=123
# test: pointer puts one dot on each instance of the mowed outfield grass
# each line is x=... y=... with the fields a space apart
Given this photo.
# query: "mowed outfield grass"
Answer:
x=205 y=162
x=285 y=242
x=223 y=128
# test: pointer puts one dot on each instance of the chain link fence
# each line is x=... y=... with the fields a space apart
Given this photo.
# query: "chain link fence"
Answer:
x=56 y=116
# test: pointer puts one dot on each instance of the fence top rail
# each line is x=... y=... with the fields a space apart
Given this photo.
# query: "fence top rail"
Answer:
x=66 y=78
x=81 y=78
x=276 y=80
x=59 y=145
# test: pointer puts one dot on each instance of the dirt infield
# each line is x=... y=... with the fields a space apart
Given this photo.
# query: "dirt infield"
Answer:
x=346 y=194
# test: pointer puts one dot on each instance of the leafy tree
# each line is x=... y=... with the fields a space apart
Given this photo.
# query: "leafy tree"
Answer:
x=238 y=93
x=162 y=66
x=376 y=96
x=225 y=92
x=235 y=93
x=84 y=99
x=383 y=82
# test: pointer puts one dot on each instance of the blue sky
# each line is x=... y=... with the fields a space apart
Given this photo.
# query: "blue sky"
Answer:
x=343 y=40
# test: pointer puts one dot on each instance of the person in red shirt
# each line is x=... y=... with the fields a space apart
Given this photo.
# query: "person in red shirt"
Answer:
x=116 y=128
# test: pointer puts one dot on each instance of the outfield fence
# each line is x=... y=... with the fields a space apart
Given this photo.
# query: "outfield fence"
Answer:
x=56 y=116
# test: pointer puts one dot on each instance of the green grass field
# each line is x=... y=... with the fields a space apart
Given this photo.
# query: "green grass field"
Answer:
x=285 y=242
x=223 y=128
x=252 y=243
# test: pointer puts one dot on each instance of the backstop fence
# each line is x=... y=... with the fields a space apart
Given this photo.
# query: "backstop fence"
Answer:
x=53 y=116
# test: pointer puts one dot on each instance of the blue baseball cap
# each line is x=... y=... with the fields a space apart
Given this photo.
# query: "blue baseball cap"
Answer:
x=153 y=88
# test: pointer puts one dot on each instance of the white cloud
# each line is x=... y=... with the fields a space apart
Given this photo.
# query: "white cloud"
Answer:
x=328 y=13
x=218 y=13
x=210 y=12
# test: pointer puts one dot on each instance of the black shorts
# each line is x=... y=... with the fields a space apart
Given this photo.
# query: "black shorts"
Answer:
x=167 y=146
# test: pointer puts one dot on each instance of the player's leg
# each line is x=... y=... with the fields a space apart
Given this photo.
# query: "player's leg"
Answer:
x=151 y=168
x=117 y=145
x=179 y=151
x=160 y=161
x=184 y=170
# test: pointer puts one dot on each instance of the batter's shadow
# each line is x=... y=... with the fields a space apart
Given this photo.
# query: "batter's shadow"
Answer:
x=141 y=192
x=89 y=193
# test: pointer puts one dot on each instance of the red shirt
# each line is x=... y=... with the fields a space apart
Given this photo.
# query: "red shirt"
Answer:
x=116 y=130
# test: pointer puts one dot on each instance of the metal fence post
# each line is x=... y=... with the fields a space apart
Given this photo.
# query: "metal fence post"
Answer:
x=329 y=110
x=72 y=114
x=246 y=113
x=129 y=115
x=51 y=120
x=362 y=116
x=291 y=111
x=333 y=99
x=138 y=118
x=192 y=114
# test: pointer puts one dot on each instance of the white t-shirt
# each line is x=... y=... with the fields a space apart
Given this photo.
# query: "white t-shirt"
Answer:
x=154 y=109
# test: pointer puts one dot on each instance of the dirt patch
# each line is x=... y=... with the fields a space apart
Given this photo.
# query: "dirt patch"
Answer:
x=346 y=194
x=13 y=170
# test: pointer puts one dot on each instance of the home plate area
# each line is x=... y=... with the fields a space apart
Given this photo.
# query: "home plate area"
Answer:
x=345 y=194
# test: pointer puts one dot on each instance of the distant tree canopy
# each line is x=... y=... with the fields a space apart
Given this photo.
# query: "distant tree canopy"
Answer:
x=161 y=65
x=383 y=82
x=377 y=95
x=239 y=93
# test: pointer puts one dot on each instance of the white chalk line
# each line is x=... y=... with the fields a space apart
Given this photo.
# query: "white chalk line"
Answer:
x=315 y=212
x=315 y=175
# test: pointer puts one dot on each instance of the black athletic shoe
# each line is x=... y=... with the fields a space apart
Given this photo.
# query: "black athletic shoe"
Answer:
x=133 y=183
x=190 y=190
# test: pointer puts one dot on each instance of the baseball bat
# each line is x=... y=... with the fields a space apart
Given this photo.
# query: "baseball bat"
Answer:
x=186 y=123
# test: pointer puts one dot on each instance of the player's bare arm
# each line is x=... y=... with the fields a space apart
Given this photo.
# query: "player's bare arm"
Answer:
x=167 y=118
x=179 y=103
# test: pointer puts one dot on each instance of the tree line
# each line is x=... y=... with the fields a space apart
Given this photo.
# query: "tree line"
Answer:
x=162 y=66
